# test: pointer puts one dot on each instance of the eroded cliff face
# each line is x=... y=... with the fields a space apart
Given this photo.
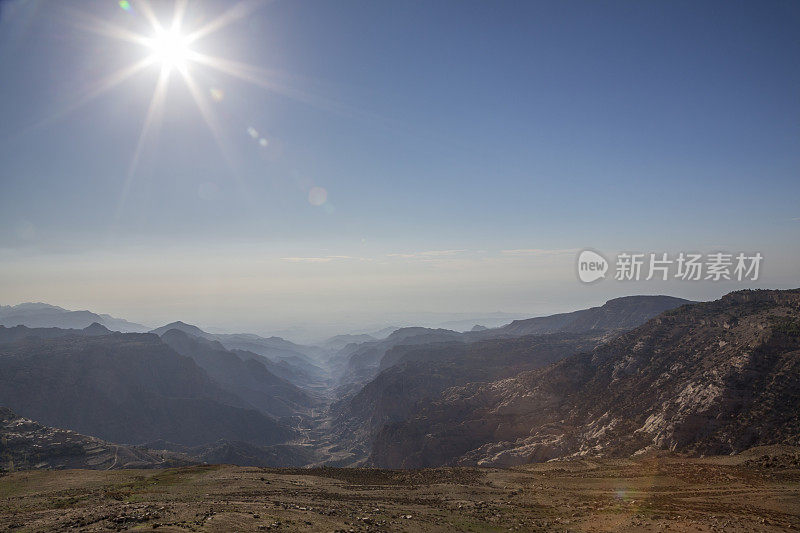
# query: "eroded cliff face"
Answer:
x=714 y=377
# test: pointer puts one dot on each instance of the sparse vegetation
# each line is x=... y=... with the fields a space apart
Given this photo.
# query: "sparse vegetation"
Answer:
x=653 y=493
x=787 y=325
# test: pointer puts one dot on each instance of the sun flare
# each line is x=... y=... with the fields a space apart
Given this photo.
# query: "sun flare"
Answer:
x=170 y=49
x=168 y=45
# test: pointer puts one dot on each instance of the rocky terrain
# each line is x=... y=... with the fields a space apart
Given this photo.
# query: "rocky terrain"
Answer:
x=740 y=494
x=418 y=374
x=26 y=445
x=709 y=378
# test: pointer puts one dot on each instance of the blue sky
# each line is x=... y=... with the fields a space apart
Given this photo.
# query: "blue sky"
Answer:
x=466 y=127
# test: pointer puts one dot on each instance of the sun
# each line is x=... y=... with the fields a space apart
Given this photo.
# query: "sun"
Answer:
x=170 y=48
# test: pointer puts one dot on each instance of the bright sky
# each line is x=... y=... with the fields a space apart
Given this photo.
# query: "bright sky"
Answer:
x=361 y=159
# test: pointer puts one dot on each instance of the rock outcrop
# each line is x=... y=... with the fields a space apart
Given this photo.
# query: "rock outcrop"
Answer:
x=25 y=445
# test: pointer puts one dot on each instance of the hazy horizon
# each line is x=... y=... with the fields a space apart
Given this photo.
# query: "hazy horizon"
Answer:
x=317 y=328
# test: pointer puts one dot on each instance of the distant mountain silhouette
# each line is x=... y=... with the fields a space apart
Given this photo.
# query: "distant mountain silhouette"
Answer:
x=340 y=341
x=184 y=327
x=125 y=388
x=619 y=314
x=384 y=332
x=292 y=362
x=41 y=315
x=18 y=333
x=274 y=348
x=246 y=377
x=297 y=372
x=356 y=364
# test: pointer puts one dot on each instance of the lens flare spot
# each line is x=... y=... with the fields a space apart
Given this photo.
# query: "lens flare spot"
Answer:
x=263 y=142
x=317 y=196
x=252 y=132
x=217 y=94
x=124 y=4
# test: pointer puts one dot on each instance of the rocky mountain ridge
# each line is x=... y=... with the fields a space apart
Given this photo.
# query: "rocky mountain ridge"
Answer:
x=125 y=388
x=421 y=373
x=708 y=378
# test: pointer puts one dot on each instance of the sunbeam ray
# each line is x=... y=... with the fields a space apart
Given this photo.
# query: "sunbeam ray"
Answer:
x=152 y=118
x=104 y=85
x=177 y=18
x=207 y=114
x=238 y=11
x=92 y=24
x=169 y=46
x=148 y=14
x=267 y=80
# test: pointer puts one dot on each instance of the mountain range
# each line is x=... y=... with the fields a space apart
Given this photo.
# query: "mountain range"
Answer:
x=125 y=388
x=41 y=315
x=707 y=378
x=639 y=374
x=295 y=363
x=244 y=374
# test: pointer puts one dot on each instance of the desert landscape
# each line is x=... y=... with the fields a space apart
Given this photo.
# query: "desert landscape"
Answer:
x=755 y=491
x=392 y=266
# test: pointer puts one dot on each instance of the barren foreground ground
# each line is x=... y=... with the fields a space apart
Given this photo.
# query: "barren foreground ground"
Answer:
x=746 y=493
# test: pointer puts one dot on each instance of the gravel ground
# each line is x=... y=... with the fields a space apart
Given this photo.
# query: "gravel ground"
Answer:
x=652 y=494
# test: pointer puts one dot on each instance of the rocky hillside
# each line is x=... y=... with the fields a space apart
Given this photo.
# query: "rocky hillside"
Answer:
x=708 y=378
x=246 y=377
x=25 y=445
x=125 y=388
x=421 y=373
